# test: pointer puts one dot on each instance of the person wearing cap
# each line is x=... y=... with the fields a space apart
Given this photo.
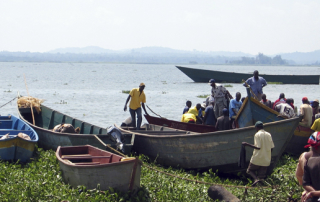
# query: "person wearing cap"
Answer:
x=311 y=177
x=304 y=157
x=224 y=122
x=256 y=83
x=220 y=95
x=261 y=157
x=138 y=98
x=187 y=107
x=209 y=117
x=306 y=112
x=234 y=107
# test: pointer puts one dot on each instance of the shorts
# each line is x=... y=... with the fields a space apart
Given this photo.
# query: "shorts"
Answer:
x=261 y=170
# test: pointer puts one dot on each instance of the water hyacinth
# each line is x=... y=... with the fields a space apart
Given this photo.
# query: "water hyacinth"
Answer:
x=41 y=180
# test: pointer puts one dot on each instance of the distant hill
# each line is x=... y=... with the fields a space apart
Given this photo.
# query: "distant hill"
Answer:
x=303 y=58
x=153 y=50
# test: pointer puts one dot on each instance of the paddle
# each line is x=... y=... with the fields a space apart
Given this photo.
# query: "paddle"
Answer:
x=155 y=113
x=254 y=95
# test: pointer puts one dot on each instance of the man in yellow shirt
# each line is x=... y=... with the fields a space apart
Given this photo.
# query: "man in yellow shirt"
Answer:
x=188 y=118
x=316 y=125
x=138 y=98
x=261 y=156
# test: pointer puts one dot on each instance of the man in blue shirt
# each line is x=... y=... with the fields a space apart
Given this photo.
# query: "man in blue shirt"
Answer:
x=234 y=107
x=256 y=83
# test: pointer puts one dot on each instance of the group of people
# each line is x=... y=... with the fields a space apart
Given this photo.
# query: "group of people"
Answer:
x=216 y=111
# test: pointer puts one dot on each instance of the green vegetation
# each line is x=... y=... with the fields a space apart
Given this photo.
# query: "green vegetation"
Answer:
x=203 y=96
x=274 y=82
x=228 y=85
x=126 y=91
x=40 y=180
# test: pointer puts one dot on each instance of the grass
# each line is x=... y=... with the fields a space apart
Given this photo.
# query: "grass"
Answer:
x=40 y=180
x=269 y=82
x=203 y=96
x=126 y=91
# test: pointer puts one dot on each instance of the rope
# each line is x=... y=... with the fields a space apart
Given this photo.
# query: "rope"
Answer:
x=153 y=111
x=8 y=102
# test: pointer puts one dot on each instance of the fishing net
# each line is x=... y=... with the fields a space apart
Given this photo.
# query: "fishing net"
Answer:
x=27 y=101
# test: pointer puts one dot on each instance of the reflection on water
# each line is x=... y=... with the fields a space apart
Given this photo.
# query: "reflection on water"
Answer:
x=93 y=91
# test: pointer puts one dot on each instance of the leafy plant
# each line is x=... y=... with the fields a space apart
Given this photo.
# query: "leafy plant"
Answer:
x=126 y=91
x=203 y=96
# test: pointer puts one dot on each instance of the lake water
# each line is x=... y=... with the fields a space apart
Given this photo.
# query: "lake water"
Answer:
x=92 y=92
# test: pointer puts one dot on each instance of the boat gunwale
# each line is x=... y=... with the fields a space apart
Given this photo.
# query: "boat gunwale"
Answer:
x=96 y=165
x=209 y=133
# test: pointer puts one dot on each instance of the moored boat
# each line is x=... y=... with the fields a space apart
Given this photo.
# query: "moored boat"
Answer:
x=201 y=75
x=217 y=150
x=252 y=110
x=48 y=118
x=18 y=139
x=93 y=167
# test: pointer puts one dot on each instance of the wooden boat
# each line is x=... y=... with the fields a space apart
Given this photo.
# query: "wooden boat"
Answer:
x=252 y=110
x=93 y=167
x=201 y=75
x=217 y=150
x=16 y=148
x=48 y=118
x=180 y=125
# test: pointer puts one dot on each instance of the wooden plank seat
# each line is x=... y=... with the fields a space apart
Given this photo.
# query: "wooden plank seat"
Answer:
x=87 y=163
x=82 y=156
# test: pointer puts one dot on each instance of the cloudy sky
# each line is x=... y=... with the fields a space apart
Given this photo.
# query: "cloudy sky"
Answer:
x=250 y=26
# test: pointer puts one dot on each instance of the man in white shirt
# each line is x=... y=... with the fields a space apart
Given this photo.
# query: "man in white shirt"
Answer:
x=261 y=157
x=285 y=109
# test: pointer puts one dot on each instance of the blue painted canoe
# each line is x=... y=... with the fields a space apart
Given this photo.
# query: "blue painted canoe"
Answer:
x=217 y=150
x=252 y=110
x=48 y=118
x=16 y=148
x=202 y=75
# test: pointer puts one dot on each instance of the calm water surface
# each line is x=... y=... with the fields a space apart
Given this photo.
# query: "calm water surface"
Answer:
x=92 y=92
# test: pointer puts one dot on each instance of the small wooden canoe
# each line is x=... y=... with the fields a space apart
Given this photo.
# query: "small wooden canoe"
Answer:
x=48 y=118
x=217 y=150
x=14 y=147
x=93 y=168
x=199 y=128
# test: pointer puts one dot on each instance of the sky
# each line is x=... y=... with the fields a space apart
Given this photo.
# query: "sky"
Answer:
x=249 y=26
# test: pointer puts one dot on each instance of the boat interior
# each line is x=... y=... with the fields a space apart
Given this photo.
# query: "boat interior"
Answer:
x=85 y=155
x=13 y=126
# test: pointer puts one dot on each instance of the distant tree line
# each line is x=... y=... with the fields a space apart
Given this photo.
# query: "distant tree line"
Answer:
x=260 y=59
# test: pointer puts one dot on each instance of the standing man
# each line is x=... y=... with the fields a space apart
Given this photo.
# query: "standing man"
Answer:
x=261 y=156
x=234 y=107
x=256 y=83
x=138 y=98
x=306 y=112
x=220 y=95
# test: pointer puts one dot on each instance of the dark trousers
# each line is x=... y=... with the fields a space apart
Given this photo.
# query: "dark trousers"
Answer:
x=133 y=116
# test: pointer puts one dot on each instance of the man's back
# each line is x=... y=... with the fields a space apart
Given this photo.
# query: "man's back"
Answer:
x=262 y=140
x=223 y=123
x=311 y=176
x=306 y=110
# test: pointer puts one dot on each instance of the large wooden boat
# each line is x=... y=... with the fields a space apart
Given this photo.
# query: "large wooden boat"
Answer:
x=201 y=75
x=217 y=150
x=180 y=125
x=96 y=168
x=48 y=118
x=252 y=110
x=14 y=147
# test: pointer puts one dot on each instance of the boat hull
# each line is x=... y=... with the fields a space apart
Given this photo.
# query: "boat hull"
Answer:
x=201 y=75
x=16 y=148
x=48 y=118
x=123 y=176
x=217 y=150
